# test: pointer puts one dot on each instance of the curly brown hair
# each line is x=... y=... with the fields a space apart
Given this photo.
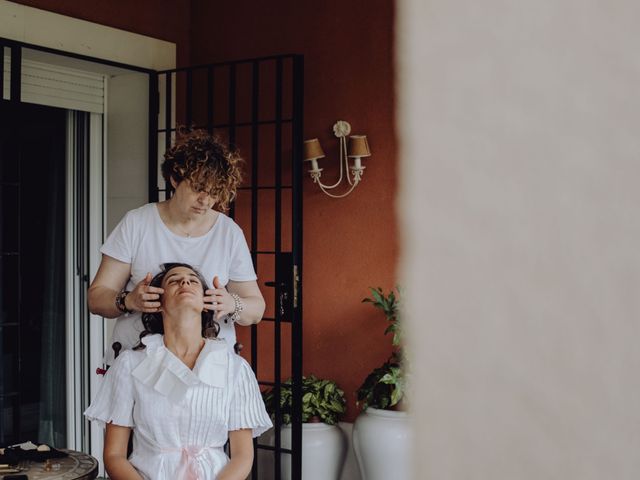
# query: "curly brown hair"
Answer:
x=206 y=162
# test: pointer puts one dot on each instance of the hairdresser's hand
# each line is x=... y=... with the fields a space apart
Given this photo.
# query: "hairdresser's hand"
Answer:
x=144 y=297
x=217 y=299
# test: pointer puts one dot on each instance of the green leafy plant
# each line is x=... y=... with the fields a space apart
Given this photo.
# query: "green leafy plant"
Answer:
x=384 y=387
x=322 y=401
x=389 y=305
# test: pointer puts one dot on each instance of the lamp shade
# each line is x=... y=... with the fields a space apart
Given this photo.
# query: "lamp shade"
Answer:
x=312 y=150
x=358 y=146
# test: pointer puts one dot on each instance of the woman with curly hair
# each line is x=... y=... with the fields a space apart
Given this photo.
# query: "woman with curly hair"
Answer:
x=190 y=227
x=182 y=392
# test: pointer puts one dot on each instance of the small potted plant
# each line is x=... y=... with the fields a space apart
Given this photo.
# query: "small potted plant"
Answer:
x=382 y=432
x=384 y=386
x=323 y=443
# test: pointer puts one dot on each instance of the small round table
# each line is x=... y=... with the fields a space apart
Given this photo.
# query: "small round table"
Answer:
x=77 y=466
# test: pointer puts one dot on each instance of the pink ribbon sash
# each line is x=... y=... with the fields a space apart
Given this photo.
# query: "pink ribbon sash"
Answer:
x=188 y=467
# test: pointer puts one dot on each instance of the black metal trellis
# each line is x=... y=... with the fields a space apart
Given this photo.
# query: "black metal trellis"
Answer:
x=256 y=105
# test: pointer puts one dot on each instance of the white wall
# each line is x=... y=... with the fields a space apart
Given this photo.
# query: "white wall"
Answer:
x=127 y=151
x=127 y=145
x=519 y=126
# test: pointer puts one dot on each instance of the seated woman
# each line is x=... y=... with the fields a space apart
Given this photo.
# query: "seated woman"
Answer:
x=182 y=392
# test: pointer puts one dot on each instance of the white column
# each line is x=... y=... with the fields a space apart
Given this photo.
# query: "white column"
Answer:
x=520 y=163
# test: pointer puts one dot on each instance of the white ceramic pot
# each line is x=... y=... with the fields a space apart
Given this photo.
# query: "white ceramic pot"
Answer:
x=382 y=441
x=324 y=448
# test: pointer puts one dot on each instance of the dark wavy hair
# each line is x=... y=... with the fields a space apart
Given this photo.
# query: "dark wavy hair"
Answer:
x=153 y=321
x=206 y=162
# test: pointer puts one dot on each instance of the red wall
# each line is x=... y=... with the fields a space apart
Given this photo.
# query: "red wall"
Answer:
x=352 y=243
x=349 y=244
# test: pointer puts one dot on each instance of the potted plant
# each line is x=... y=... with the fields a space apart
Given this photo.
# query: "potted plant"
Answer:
x=323 y=443
x=382 y=432
x=384 y=386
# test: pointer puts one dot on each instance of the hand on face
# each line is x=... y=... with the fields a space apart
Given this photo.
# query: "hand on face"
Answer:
x=144 y=297
x=219 y=300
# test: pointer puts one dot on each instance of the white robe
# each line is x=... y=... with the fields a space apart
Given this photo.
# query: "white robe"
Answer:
x=180 y=417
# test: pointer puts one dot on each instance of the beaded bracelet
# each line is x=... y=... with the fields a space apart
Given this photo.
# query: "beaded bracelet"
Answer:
x=239 y=307
x=120 y=305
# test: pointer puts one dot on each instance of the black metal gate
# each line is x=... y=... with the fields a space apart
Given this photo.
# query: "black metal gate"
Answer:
x=256 y=105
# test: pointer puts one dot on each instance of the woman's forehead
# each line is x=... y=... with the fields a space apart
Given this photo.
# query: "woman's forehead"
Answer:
x=180 y=271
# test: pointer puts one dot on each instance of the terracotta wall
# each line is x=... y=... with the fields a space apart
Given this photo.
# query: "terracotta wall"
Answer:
x=163 y=19
x=349 y=244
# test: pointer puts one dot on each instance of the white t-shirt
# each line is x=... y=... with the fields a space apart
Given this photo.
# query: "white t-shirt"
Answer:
x=144 y=241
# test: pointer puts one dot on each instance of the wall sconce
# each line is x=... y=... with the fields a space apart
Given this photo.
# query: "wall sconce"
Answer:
x=358 y=148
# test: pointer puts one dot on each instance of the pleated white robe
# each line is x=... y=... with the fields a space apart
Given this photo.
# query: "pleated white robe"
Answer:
x=180 y=417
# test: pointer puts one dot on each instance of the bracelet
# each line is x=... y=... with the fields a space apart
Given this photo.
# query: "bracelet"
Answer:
x=239 y=307
x=120 y=305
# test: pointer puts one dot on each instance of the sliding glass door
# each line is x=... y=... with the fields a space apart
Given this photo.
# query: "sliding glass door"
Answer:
x=33 y=214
